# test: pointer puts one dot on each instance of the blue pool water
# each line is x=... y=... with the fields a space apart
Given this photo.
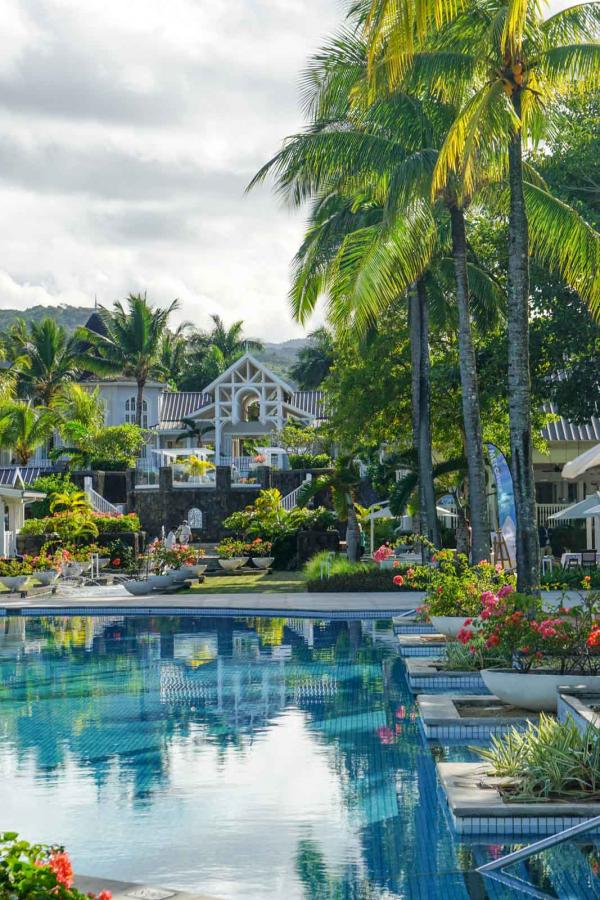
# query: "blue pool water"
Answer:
x=240 y=758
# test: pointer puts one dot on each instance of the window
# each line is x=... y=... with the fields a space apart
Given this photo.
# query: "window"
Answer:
x=130 y=412
x=194 y=517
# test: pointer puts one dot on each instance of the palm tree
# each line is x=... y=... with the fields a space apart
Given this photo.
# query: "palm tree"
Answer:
x=80 y=417
x=389 y=145
x=24 y=427
x=230 y=341
x=509 y=68
x=196 y=429
x=132 y=342
x=45 y=358
x=173 y=355
x=314 y=360
x=343 y=483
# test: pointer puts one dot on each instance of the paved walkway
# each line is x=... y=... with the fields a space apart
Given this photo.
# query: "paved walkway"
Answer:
x=114 y=597
x=129 y=890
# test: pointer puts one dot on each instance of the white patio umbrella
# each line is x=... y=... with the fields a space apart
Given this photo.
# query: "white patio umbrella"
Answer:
x=582 y=463
x=585 y=509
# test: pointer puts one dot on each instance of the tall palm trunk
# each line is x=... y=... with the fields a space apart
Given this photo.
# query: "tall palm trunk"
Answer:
x=519 y=380
x=480 y=525
x=139 y=401
x=352 y=530
x=421 y=409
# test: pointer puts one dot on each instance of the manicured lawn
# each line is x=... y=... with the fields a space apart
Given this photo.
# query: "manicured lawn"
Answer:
x=251 y=583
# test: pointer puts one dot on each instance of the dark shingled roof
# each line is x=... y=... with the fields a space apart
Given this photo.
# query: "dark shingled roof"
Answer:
x=178 y=405
x=29 y=474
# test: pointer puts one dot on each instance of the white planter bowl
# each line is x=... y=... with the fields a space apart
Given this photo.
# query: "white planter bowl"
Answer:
x=137 y=587
x=449 y=626
x=235 y=563
x=159 y=582
x=263 y=562
x=74 y=570
x=13 y=582
x=103 y=562
x=46 y=576
x=533 y=690
x=194 y=571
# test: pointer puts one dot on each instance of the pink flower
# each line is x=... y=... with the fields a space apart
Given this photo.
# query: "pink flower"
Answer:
x=505 y=590
x=398 y=580
x=410 y=573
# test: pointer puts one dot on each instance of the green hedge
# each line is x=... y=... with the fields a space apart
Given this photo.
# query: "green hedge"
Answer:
x=372 y=579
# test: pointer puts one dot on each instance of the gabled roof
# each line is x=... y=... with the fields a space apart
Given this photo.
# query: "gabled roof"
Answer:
x=17 y=476
x=248 y=357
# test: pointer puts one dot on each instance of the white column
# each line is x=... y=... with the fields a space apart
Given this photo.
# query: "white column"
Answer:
x=2 y=531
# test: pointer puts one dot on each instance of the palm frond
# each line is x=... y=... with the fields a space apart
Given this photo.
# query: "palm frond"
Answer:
x=572 y=66
x=562 y=240
x=576 y=23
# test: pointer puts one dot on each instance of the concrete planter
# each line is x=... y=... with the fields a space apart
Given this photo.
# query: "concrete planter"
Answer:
x=137 y=588
x=74 y=570
x=183 y=573
x=46 y=576
x=262 y=562
x=13 y=582
x=236 y=562
x=159 y=582
x=449 y=626
x=536 y=690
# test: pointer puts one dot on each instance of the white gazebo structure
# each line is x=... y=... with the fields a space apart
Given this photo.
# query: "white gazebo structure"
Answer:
x=246 y=403
x=588 y=509
x=14 y=498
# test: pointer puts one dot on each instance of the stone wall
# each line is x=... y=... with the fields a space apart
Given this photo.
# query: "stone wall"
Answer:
x=169 y=506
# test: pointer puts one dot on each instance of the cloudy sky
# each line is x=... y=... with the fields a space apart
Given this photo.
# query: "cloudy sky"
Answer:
x=128 y=131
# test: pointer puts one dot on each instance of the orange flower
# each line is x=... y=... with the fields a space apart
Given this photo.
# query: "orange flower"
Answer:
x=62 y=868
x=398 y=580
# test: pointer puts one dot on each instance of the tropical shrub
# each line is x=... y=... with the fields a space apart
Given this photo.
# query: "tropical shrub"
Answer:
x=309 y=460
x=549 y=761
x=163 y=557
x=563 y=578
x=472 y=658
x=9 y=568
x=38 y=871
x=55 y=483
x=328 y=573
x=230 y=549
x=516 y=627
x=43 y=561
x=117 y=447
x=70 y=526
x=455 y=587
x=258 y=547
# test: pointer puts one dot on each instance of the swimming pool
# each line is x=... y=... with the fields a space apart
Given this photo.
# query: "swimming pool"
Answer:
x=241 y=758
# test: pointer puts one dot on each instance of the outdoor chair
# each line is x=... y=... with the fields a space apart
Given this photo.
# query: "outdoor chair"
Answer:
x=589 y=559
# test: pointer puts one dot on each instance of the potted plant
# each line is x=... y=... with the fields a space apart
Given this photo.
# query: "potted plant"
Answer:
x=14 y=574
x=232 y=554
x=74 y=560
x=543 y=651
x=183 y=562
x=260 y=553
x=44 y=568
x=455 y=589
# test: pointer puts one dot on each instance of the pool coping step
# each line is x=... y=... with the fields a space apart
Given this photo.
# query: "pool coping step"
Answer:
x=423 y=675
x=441 y=720
x=479 y=810
x=131 y=890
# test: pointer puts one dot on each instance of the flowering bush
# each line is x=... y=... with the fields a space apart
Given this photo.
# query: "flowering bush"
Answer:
x=11 y=568
x=43 y=561
x=258 y=547
x=174 y=557
x=38 y=870
x=229 y=549
x=455 y=587
x=384 y=552
x=518 y=629
x=70 y=526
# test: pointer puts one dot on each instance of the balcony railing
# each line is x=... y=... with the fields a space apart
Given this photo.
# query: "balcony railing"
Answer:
x=545 y=510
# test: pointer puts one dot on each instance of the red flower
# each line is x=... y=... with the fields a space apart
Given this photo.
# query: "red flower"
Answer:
x=492 y=641
x=104 y=895
x=116 y=562
x=62 y=868
x=398 y=580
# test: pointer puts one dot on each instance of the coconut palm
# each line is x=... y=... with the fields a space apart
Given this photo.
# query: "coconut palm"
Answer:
x=390 y=146
x=45 y=357
x=80 y=415
x=507 y=66
x=24 y=427
x=173 y=355
x=314 y=360
x=132 y=342
x=230 y=340
x=343 y=484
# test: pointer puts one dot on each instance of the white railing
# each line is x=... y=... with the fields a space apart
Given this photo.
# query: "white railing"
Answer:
x=545 y=510
x=290 y=501
x=97 y=501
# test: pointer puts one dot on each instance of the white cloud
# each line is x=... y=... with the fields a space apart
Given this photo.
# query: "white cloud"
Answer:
x=128 y=132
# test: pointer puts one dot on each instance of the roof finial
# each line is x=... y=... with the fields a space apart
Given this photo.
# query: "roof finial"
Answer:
x=95 y=301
